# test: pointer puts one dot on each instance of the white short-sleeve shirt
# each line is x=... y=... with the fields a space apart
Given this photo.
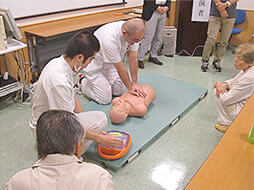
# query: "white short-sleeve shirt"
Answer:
x=54 y=89
x=113 y=47
x=160 y=2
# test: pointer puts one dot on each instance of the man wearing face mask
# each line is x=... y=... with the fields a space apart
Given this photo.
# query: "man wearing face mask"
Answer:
x=54 y=89
x=107 y=75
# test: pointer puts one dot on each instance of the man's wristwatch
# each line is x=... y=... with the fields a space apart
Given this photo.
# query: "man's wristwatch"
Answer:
x=228 y=4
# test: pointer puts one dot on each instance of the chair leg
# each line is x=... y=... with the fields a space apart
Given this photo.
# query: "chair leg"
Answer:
x=231 y=46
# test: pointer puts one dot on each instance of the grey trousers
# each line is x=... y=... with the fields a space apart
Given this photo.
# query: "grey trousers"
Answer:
x=215 y=24
x=154 y=28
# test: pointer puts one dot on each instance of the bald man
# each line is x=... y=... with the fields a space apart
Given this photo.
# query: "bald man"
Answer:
x=106 y=75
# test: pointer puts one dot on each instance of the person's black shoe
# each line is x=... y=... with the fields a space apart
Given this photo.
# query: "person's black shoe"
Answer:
x=155 y=61
x=216 y=66
x=141 y=64
x=204 y=66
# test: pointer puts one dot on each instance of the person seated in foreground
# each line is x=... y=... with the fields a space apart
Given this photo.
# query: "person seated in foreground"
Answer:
x=59 y=142
x=130 y=104
x=231 y=95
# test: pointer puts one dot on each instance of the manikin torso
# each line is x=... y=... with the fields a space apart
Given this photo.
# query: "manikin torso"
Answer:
x=132 y=105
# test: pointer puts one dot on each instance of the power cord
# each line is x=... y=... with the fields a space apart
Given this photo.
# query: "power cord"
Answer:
x=189 y=54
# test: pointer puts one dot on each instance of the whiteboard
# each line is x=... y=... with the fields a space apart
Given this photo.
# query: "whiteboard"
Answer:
x=25 y=8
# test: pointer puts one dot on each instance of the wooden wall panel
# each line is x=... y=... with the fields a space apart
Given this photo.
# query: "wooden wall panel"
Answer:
x=247 y=30
x=245 y=36
x=171 y=20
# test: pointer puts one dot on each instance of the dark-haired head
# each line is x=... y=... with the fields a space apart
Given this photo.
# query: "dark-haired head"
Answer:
x=84 y=43
x=58 y=132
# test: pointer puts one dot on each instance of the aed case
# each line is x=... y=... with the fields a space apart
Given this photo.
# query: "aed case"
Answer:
x=113 y=153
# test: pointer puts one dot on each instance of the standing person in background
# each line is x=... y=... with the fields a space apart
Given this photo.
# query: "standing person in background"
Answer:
x=231 y=95
x=155 y=14
x=59 y=146
x=222 y=17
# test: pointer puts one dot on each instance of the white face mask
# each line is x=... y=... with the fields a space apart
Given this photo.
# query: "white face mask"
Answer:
x=77 y=68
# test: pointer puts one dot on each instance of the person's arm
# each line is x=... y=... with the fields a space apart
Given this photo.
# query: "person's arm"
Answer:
x=133 y=64
x=221 y=87
x=216 y=2
x=123 y=73
x=61 y=97
x=221 y=7
x=233 y=80
x=166 y=7
x=78 y=108
x=225 y=4
x=161 y=9
x=103 y=138
x=240 y=91
x=105 y=181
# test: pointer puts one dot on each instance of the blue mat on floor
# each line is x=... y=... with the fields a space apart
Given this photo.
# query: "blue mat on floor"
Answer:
x=173 y=99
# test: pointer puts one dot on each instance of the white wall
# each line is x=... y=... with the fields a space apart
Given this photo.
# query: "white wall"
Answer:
x=246 y=5
x=134 y=2
x=29 y=21
x=24 y=8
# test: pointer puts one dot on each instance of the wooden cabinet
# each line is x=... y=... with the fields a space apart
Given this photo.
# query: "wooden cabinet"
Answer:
x=189 y=34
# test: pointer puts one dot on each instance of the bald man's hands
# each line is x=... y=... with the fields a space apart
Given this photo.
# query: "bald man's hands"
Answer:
x=136 y=90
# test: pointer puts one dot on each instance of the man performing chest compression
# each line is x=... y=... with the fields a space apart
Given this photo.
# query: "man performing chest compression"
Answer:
x=106 y=75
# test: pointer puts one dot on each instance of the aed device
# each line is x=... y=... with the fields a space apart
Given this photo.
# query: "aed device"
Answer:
x=113 y=153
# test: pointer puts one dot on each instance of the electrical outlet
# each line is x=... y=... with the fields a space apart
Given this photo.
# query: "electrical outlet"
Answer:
x=6 y=76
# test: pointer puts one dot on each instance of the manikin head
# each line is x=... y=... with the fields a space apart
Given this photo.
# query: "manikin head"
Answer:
x=81 y=49
x=119 y=111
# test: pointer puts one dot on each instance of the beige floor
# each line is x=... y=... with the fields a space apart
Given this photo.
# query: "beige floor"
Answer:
x=169 y=163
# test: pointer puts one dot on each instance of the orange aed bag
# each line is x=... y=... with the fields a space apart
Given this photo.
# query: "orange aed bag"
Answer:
x=113 y=153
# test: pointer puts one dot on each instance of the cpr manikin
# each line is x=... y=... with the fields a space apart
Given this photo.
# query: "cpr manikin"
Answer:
x=129 y=104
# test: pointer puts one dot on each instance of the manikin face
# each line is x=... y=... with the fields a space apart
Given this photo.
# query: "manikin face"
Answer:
x=119 y=111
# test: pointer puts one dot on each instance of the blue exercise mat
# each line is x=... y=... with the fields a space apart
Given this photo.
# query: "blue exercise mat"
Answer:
x=173 y=98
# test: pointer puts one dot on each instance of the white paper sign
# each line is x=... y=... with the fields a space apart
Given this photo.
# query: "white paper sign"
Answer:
x=201 y=10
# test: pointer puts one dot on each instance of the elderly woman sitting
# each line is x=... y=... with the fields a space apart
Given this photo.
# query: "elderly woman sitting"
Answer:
x=231 y=95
